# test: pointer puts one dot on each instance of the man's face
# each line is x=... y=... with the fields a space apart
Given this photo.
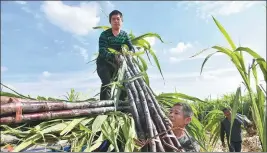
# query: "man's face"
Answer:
x=116 y=21
x=177 y=118
x=227 y=113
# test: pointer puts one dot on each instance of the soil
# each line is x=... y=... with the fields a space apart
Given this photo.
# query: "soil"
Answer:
x=249 y=144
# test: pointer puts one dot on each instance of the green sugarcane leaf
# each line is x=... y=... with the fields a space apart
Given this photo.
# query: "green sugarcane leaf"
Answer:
x=100 y=119
x=225 y=34
x=71 y=125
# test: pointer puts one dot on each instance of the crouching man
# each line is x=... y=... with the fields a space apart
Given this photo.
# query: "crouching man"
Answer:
x=181 y=115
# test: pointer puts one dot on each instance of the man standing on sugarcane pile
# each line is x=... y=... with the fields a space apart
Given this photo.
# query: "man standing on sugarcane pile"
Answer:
x=181 y=115
x=107 y=62
x=236 y=135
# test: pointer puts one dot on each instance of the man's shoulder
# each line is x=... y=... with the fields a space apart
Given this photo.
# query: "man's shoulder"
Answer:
x=124 y=32
x=189 y=144
x=105 y=32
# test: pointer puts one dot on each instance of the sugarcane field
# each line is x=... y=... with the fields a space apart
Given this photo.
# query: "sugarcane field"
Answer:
x=133 y=76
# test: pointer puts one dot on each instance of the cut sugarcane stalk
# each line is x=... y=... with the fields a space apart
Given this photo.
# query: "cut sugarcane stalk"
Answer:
x=58 y=114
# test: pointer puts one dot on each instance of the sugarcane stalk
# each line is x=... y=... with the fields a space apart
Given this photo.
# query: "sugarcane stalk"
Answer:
x=59 y=114
x=161 y=113
x=153 y=111
x=156 y=117
x=147 y=116
x=36 y=106
x=135 y=71
x=159 y=146
x=136 y=97
x=140 y=131
x=6 y=99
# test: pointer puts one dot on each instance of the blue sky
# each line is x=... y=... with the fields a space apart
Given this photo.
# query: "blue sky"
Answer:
x=46 y=45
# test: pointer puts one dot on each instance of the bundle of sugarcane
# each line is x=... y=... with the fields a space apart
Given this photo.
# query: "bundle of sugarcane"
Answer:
x=151 y=122
x=21 y=110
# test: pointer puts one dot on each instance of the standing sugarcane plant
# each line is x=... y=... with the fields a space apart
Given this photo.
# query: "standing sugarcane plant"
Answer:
x=258 y=104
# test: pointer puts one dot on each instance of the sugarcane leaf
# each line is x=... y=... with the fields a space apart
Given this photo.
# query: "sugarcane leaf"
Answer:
x=234 y=109
x=236 y=62
x=175 y=96
x=205 y=60
x=87 y=121
x=110 y=132
x=71 y=125
x=102 y=27
x=20 y=95
x=148 y=35
x=137 y=53
x=14 y=131
x=225 y=34
x=113 y=51
x=157 y=61
x=52 y=135
x=7 y=94
x=80 y=144
x=84 y=128
x=144 y=65
x=110 y=148
x=200 y=52
x=250 y=51
x=99 y=120
x=143 y=71
x=27 y=142
x=96 y=144
x=55 y=128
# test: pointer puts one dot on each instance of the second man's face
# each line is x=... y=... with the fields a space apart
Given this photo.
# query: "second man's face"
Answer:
x=177 y=118
x=116 y=21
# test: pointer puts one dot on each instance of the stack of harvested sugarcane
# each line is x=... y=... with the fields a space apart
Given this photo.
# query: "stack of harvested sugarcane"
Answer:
x=16 y=110
x=152 y=124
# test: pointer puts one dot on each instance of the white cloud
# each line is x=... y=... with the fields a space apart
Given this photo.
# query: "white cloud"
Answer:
x=21 y=2
x=74 y=19
x=26 y=9
x=174 y=60
x=46 y=74
x=181 y=47
x=83 y=52
x=3 y=68
x=110 y=5
x=107 y=6
x=223 y=8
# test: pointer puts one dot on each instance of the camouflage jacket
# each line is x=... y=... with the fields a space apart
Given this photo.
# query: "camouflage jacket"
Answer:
x=189 y=144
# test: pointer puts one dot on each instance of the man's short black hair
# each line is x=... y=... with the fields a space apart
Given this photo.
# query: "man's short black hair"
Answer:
x=114 y=12
x=226 y=109
x=187 y=110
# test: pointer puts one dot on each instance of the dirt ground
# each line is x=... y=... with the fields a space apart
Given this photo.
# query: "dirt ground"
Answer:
x=250 y=144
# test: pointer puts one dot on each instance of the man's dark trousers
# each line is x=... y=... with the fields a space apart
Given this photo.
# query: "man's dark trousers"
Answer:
x=106 y=70
x=235 y=146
